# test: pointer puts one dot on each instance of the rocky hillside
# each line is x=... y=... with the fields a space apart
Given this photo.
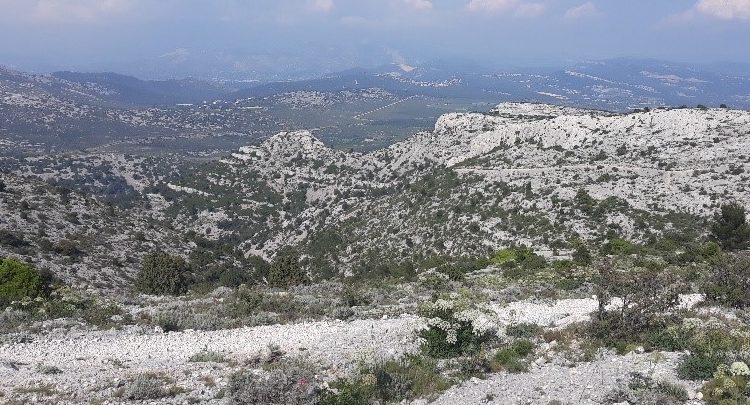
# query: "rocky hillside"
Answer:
x=522 y=173
x=532 y=174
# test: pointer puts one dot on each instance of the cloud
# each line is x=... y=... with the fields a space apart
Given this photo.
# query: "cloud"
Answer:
x=354 y=20
x=584 y=10
x=321 y=5
x=529 y=9
x=517 y=7
x=64 y=11
x=727 y=10
x=419 y=4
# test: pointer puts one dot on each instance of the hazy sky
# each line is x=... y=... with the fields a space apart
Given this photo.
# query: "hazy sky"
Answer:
x=248 y=35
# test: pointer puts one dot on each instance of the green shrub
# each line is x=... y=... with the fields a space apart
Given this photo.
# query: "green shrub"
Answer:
x=645 y=298
x=581 y=255
x=285 y=383
x=523 y=330
x=699 y=366
x=710 y=250
x=67 y=247
x=12 y=239
x=391 y=382
x=730 y=385
x=19 y=280
x=642 y=389
x=518 y=261
x=672 y=338
x=150 y=386
x=455 y=327
x=729 y=282
x=206 y=356
x=523 y=347
x=356 y=392
x=618 y=246
x=730 y=227
x=513 y=358
x=585 y=202
x=286 y=272
x=163 y=274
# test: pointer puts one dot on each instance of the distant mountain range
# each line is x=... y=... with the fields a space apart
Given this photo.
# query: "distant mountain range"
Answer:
x=358 y=108
x=616 y=85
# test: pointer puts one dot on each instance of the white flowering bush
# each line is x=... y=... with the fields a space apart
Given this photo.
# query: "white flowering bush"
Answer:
x=739 y=368
x=433 y=279
x=456 y=326
x=730 y=385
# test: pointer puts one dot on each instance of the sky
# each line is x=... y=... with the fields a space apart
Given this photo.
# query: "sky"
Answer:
x=253 y=37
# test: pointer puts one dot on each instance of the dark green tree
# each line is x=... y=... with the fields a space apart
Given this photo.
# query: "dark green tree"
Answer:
x=584 y=201
x=18 y=280
x=286 y=271
x=729 y=281
x=730 y=227
x=582 y=255
x=163 y=274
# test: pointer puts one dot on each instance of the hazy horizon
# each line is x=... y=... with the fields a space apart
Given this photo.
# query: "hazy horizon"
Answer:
x=295 y=38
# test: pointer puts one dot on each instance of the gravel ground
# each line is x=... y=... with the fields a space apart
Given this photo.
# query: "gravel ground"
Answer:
x=93 y=361
x=95 y=364
x=587 y=383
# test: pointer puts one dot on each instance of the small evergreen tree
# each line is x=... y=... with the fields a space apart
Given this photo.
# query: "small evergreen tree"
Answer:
x=286 y=271
x=584 y=201
x=730 y=227
x=582 y=255
x=163 y=274
x=18 y=280
x=729 y=281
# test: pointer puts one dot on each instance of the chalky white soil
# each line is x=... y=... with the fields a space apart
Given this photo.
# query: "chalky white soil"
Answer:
x=95 y=364
x=586 y=383
x=92 y=361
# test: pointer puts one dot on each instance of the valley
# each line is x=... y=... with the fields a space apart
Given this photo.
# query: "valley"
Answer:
x=531 y=238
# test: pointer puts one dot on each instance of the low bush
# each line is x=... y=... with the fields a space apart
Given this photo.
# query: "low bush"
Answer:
x=729 y=282
x=642 y=389
x=285 y=383
x=67 y=247
x=19 y=280
x=618 y=246
x=698 y=366
x=730 y=385
x=12 y=239
x=581 y=255
x=393 y=381
x=518 y=261
x=456 y=327
x=711 y=343
x=634 y=302
x=150 y=386
x=513 y=358
x=206 y=356
x=523 y=330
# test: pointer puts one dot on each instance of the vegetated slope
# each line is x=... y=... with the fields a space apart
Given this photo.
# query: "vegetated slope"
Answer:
x=56 y=112
x=79 y=239
x=522 y=173
x=129 y=90
x=616 y=84
x=531 y=174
